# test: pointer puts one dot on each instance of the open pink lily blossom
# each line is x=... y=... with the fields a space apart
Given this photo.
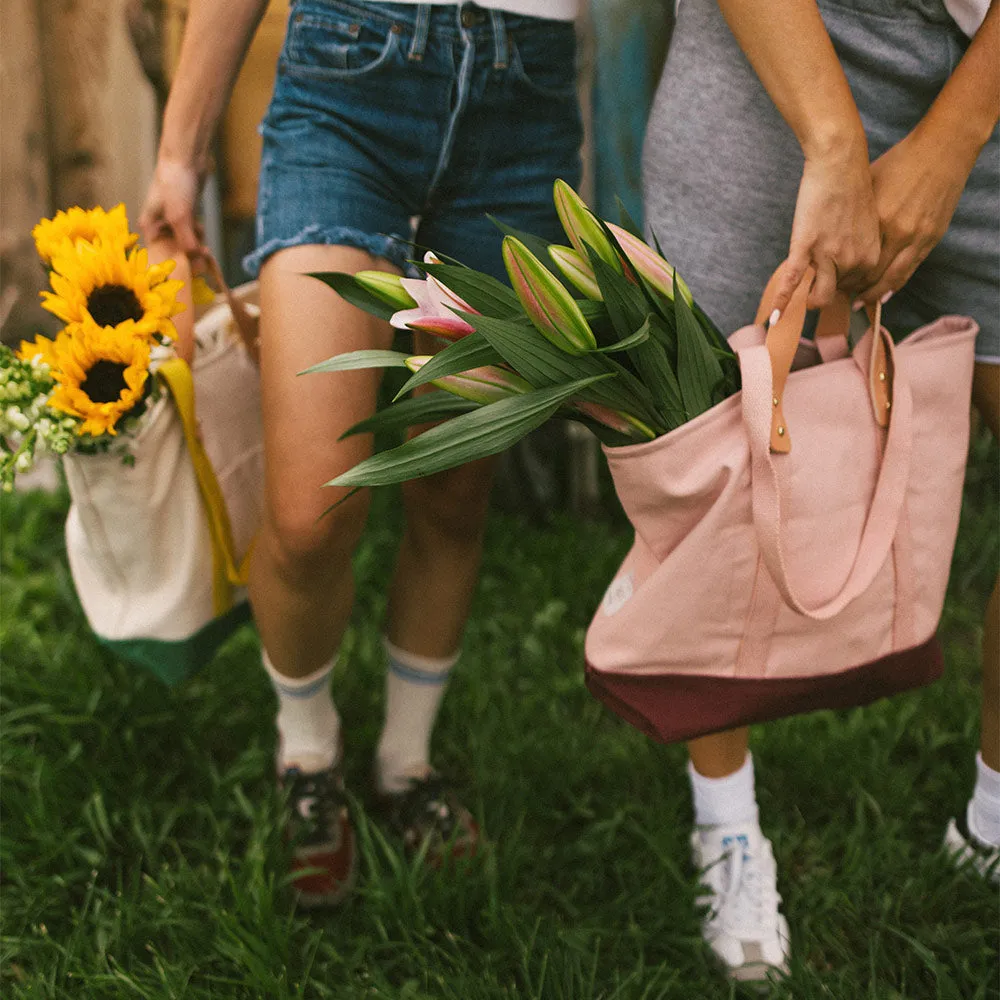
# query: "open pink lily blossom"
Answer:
x=434 y=311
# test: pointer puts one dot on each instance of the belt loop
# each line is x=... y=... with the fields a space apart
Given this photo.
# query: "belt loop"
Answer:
x=500 y=53
x=420 y=32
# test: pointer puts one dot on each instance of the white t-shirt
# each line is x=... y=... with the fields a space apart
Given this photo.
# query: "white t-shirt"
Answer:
x=968 y=14
x=554 y=10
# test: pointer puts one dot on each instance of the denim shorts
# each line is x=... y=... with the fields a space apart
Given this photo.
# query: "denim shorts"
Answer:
x=394 y=124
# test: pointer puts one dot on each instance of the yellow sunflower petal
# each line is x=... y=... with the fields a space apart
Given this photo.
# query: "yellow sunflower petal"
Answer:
x=68 y=230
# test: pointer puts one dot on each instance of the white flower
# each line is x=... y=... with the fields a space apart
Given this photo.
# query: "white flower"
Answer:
x=24 y=461
x=17 y=419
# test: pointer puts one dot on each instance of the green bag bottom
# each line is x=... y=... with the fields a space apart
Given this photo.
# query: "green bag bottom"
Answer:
x=175 y=661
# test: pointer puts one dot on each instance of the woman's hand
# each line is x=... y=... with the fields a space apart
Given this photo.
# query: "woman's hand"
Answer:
x=169 y=208
x=836 y=228
x=917 y=184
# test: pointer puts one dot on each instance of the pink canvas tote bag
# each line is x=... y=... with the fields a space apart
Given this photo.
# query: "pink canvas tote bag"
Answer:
x=792 y=544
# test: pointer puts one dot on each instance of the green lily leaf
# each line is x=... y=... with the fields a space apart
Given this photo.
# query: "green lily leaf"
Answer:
x=357 y=360
x=482 y=291
x=626 y=221
x=411 y=412
x=698 y=370
x=350 y=290
x=625 y=302
x=485 y=431
x=472 y=351
x=657 y=373
x=640 y=336
x=543 y=364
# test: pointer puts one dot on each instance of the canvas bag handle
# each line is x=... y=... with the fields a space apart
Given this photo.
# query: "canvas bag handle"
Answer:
x=758 y=365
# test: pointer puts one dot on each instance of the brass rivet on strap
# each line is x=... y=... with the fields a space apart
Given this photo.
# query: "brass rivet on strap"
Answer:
x=881 y=376
x=775 y=400
x=781 y=431
x=887 y=404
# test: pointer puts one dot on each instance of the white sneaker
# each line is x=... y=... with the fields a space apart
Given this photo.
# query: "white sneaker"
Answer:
x=967 y=850
x=743 y=926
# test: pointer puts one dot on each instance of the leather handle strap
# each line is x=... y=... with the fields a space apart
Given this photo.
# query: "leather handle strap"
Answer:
x=831 y=337
x=246 y=324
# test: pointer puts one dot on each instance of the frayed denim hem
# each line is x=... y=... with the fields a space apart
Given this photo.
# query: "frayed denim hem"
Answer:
x=393 y=249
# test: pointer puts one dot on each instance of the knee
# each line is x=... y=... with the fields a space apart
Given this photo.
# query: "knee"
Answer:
x=451 y=507
x=306 y=537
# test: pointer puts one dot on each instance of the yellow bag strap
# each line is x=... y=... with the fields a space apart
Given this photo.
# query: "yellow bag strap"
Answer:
x=226 y=574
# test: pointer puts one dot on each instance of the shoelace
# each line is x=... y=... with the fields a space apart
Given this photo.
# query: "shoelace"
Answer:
x=749 y=899
x=314 y=800
x=427 y=800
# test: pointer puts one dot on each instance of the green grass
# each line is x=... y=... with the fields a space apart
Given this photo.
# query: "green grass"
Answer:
x=141 y=844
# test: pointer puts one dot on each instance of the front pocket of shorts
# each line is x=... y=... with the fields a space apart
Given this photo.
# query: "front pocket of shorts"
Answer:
x=545 y=62
x=335 y=47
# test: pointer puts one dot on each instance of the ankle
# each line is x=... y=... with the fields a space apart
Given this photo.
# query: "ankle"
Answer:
x=725 y=801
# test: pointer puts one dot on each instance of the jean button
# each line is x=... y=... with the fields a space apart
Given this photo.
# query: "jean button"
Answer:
x=472 y=15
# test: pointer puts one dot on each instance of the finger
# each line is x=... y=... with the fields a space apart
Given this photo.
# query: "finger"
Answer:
x=824 y=286
x=183 y=227
x=792 y=271
x=894 y=277
x=860 y=279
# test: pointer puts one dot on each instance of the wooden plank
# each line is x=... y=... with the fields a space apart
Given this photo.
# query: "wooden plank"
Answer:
x=100 y=107
x=24 y=182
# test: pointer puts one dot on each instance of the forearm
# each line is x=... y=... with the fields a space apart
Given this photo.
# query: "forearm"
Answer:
x=804 y=79
x=966 y=111
x=216 y=38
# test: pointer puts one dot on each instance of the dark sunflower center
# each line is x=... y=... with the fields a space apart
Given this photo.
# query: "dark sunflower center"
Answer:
x=113 y=304
x=105 y=381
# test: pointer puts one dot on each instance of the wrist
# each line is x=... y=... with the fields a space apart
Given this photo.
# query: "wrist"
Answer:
x=957 y=138
x=843 y=142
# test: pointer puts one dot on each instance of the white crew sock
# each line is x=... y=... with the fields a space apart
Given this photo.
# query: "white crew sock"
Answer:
x=983 y=816
x=307 y=721
x=414 y=687
x=724 y=801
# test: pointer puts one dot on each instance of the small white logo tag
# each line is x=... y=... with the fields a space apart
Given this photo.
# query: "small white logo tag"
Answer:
x=618 y=594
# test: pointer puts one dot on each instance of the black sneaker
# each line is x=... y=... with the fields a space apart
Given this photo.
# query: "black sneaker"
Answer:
x=429 y=812
x=322 y=837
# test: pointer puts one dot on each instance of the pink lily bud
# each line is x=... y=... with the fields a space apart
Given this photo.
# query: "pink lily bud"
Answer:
x=623 y=423
x=433 y=301
x=447 y=327
x=577 y=271
x=488 y=384
x=385 y=286
x=650 y=264
x=546 y=301
x=581 y=225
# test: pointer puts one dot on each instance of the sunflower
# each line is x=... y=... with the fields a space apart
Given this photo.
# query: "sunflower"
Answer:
x=41 y=348
x=101 y=374
x=67 y=229
x=104 y=284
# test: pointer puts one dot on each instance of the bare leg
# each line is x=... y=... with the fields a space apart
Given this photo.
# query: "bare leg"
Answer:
x=720 y=754
x=301 y=583
x=986 y=397
x=438 y=562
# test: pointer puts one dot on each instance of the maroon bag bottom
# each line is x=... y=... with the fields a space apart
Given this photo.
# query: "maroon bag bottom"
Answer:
x=672 y=707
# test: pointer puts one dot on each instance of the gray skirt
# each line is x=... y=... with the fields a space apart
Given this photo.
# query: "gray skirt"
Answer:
x=721 y=168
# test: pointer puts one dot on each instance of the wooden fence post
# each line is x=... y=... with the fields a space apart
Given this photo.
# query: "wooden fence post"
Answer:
x=25 y=193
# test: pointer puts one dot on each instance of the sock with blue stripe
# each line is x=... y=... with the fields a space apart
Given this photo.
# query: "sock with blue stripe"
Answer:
x=413 y=691
x=307 y=720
